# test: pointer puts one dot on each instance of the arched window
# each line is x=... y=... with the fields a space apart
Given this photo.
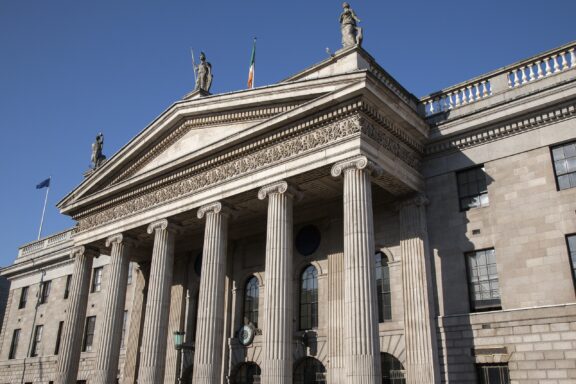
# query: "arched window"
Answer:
x=247 y=373
x=383 y=288
x=309 y=298
x=251 y=294
x=309 y=371
x=392 y=369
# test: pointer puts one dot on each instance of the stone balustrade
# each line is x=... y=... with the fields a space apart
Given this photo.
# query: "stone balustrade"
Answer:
x=513 y=76
x=44 y=243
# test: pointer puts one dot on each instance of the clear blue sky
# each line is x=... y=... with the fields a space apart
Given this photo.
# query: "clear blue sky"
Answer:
x=69 y=69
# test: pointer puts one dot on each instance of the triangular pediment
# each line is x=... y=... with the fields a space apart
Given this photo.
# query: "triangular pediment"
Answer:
x=196 y=128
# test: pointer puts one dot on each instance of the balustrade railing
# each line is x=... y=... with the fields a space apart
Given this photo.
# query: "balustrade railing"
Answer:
x=513 y=76
x=45 y=243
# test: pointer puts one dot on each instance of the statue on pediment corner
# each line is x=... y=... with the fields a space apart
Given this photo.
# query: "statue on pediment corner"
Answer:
x=351 y=32
x=97 y=156
x=203 y=74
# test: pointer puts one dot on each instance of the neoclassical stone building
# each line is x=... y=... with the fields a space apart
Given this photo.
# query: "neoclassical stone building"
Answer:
x=330 y=228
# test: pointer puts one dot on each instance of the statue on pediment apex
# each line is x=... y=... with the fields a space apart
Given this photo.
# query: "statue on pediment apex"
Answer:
x=351 y=32
x=97 y=157
x=203 y=74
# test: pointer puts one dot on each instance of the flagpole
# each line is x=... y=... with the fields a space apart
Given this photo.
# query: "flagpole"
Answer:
x=44 y=210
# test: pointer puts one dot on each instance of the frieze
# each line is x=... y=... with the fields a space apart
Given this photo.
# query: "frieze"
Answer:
x=390 y=143
x=224 y=172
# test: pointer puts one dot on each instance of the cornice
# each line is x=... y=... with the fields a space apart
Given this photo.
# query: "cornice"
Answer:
x=496 y=132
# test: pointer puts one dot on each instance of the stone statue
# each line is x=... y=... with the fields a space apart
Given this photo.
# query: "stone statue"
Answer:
x=351 y=33
x=203 y=74
x=97 y=157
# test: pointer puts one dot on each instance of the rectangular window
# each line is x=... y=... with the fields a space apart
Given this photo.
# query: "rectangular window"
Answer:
x=124 y=321
x=571 y=240
x=472 y=188
x=37 y=340
x=58 y=338
x=130 y=268
x=14 y=344
x=483 y=281
x=23 y=298
x=67 y=288
x=97 y=279
x=564 y=157
x=493 y=374
x=44 y=291
x=89 y=334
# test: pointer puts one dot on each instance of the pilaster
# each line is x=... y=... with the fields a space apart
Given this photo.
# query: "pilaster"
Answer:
x=71 y=342
x=277 y=349
x=210 y=318
x=419 y=323
x=106 y=365
x=153 y=351
x=361 y=342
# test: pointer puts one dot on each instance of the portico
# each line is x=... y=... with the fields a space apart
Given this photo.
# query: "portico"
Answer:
x=201 y=178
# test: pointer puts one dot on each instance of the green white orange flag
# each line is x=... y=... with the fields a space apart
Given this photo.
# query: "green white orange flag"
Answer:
x=252 y=63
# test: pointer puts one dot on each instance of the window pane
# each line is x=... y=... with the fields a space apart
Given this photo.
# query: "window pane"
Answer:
x=309 y=298
x=484 y=286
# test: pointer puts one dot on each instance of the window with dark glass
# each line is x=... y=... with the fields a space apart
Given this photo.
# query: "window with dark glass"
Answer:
x=309 y=371
x=247 y=373
x=392 y=369
x=251 y=297
x=14 y=344
x=36 y=341
x=23 y=298
x=472 y=188
x=97 y=279
x=564 y=157
x=309 y=298
x=383 y=288
x=571 y=240
x=58 y=337
x=45 y=287
x=67 y=288
x=89 y=334
x=493 y=374
x=124 y=321
x=483 y=283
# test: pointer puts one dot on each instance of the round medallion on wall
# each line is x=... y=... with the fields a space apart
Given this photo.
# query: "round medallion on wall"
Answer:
x=308 y=240
x=246 y=335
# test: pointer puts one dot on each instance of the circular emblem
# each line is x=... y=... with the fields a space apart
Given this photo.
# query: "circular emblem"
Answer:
x=246 y=335
x=308 y=240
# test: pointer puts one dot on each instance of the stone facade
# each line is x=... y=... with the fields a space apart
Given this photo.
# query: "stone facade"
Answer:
x=331 y=228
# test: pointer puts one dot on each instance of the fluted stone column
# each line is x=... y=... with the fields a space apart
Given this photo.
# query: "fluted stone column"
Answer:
x=210 y=319
x=419 y=324
x=106 y=365
x=335 y=324
x=361 y=342
x=71 y=342
x=153 y=352
x=277 y=330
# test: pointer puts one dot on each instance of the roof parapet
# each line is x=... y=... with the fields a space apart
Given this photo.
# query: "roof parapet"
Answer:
x=513 y=76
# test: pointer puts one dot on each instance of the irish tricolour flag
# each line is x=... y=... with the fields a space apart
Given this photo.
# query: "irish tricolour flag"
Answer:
x=252 y=63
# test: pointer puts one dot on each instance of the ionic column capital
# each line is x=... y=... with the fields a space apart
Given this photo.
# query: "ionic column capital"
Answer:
x=163 y=224
x=120 y=238
x=279 y=187
x=84 y=250
x=215 y=207
x=358 y=163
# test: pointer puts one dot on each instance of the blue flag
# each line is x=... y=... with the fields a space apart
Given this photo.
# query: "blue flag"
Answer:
x=43 y=184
